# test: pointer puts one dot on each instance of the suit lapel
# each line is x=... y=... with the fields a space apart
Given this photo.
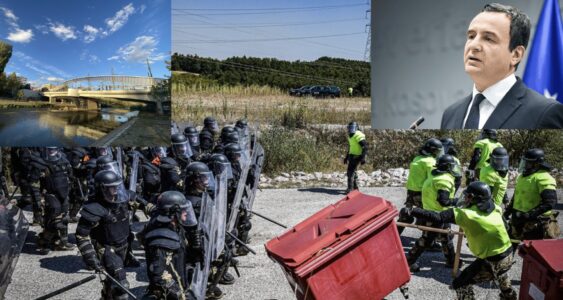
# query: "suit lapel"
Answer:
x=460 y=112
x=507 y=106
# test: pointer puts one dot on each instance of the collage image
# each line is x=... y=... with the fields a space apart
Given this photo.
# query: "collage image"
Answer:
x=260 y=149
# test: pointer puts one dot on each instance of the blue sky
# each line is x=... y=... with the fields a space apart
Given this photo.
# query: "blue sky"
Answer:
x=62 y=39
x=290 y=30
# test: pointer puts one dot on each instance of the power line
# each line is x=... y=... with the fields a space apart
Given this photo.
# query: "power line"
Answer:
x=266 y=40
x=262 y=25
x=271 y=8
x=187 y=11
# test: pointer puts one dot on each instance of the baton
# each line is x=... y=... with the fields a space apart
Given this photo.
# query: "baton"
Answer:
x=13 y=193
x=417 y=123
x=68 y=287
x=241 y=242
x=268 y=219
x=118 y=284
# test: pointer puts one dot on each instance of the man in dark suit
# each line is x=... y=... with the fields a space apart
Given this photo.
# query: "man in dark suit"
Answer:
x=496 y=42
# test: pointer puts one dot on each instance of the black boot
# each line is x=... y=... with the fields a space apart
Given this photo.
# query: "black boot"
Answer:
x=62 y=243
x=131 y=261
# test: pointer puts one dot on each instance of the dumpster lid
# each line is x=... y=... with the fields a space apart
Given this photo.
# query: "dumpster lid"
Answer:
x=327 y=227
x=550 y=251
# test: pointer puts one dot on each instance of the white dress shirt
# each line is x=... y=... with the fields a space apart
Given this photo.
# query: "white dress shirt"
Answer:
x=493 y=95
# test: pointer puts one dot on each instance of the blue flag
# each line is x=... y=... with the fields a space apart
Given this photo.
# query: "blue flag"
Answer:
x=544 y=69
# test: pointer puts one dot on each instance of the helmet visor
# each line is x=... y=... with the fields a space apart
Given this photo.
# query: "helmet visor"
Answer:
x=352 y=128
x=193 y=138
x=456 y=170
x=112 y=166
x=219 y=168
x=186 y=215
x=115 y=192
x=205 y=181
x=499 y=163
x=158 y=152
x=438 y=152
x=182 y=149
x=102 y=151
x=52 y=154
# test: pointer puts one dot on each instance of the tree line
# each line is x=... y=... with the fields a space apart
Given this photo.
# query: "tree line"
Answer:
x=9 y=84
x=282 y=74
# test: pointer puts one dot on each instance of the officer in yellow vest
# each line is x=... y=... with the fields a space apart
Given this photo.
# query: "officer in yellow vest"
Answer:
x=449 y=148
x=357 y=151
x=419 y=170
x=534 y=198
x=495 y=175
x=482 y=149
x=487 y=238
x=437 y=195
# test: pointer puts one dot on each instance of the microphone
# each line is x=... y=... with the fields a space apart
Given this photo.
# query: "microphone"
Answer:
x=416 y=123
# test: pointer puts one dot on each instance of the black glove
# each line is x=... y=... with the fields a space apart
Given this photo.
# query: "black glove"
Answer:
x=363 y=161
x=522 y=215
x=345 y=160
x=196 y=244
x=93 y=263
x=507 y=213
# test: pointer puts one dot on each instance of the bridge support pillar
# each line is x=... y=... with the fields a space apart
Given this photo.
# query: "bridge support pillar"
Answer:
x=92 y=105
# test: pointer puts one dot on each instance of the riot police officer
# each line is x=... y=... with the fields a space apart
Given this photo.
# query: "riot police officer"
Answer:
x=437 y=195
x=449 y=148
x=52 y=173
x=210 y=125
x=206 y=142
x=21 y=171
x=419 y=171
x=172 y=168
x=103 y=231
x=149 y=174
x=78 y=158
x=531 y=208
x=495 y=175
x=171 y=240
x=481 y=150
x=487 y=238
x=193 y=138
x=357 y=151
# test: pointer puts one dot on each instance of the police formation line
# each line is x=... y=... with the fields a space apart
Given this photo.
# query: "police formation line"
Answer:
x=198 y=194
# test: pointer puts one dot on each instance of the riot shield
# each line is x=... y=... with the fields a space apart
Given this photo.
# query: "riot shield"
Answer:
x=245 y=166
x=134 y=172
x=220 y=215
x=201 y=273
x=256 y=169
x=13 y=230
x=119 y=160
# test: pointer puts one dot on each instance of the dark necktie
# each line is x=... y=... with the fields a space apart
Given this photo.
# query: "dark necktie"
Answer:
x=473 y=118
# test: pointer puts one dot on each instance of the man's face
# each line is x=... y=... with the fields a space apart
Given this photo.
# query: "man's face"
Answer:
x=487 y=57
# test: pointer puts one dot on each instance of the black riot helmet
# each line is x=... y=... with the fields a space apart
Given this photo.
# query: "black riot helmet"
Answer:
x=448 y=145
x=107 y=163
x=445 y=164
x=101 y=151
x=499 y=159
x=159 y=152
x=192 y=135
x=353 y=127
x=532 y=161
x=490 y=134
x=199 y=176
x=206 y=141
x=479 y=193
x=52 y=153
x=211 y=124
x=219 y=163
x=173 y=204
x=180 y=146
x=242 y=124
x=432 y=147
x=233 y=151
x=227 y=129
x=110 y=186
x=231 y=137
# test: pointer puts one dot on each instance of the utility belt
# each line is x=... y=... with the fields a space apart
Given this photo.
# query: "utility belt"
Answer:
x=500 y=256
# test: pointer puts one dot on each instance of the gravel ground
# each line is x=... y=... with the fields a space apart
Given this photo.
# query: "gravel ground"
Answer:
x=261 y=278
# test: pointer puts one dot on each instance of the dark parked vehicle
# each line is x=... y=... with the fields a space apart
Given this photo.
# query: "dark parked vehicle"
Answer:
x=317 y=91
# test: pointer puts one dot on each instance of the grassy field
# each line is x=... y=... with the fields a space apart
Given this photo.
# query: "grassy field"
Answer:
x=283 y=110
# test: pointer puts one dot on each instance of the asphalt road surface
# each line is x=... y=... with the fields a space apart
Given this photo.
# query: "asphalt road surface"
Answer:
x=261 y=278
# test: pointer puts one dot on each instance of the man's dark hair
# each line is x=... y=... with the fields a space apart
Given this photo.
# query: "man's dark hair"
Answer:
x=519 y=24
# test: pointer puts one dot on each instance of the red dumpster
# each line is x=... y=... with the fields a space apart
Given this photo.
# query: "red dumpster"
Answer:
x=348 y=250
x=542 y=269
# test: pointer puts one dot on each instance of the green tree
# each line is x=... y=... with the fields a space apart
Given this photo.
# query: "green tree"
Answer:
x=5 y=54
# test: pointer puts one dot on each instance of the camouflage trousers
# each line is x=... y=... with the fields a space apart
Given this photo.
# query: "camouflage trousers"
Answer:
x=545 y=227
x=482 y=270
x=414 y=199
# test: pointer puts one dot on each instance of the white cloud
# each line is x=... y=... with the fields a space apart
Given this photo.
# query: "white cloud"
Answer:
x=51 y=78
x=42 y=28
x=141 y=49
x=10 y=16
x=142 y=8
x=115 y=57
x=91 y=33
x=63 y=32
x=120 y=18
x=39 y=67
x=16 y=34
x=85 y=55
x=20 y=35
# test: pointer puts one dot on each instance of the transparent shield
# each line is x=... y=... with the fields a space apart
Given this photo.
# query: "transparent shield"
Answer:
x=220 y=216
x=158 y=152
x=201 y=272
x=258 y=162
x=522 y=166
x=134 y=172
x=439 y=153
x=352 y=128
x=114 y=167
x=456 y=170
x=187 y=215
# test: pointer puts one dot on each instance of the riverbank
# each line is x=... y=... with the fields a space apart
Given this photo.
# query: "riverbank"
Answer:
x=147 y=129
x=6 y=104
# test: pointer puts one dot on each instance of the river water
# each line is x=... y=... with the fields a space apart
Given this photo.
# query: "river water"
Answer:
x=44 y=127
